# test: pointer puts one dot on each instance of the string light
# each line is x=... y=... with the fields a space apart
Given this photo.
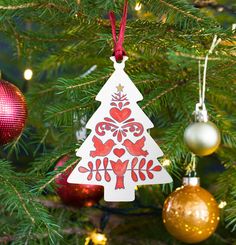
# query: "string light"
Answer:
x=28 y=74
x=96 y=238
x=234 y=27
x=166 y=162
x=138 y=6
x=222 y=204
x=220 y=9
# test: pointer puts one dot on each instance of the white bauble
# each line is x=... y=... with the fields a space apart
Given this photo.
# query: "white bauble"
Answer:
x=202 y=138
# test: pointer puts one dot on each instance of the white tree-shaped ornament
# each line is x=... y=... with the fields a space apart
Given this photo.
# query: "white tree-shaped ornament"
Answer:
x=119 y=153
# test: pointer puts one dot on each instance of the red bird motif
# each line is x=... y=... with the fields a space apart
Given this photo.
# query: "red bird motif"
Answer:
x=102 y=149
x=136 y=149
x=119 y=168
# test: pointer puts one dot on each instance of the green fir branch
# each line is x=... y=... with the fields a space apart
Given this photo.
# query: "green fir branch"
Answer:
x=18 y=202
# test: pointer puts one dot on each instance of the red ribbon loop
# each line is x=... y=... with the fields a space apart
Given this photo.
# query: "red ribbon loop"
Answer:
x=119 y=51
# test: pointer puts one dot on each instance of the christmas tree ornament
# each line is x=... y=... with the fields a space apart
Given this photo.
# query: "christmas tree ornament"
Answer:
x=76 y=195
x=203 y=137
x=13 y=112
x=190 y=213
x=119 y=153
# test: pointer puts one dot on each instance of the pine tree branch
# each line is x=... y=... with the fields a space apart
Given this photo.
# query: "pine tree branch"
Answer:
x=71 y=87
x=17 y=38
x=160 y=95
x=52 y=179
x=19 y=196
x=14 y=144
x=180 y=12
x=66 y=231
x=45 y=91
x=22 y=6
x=46 y=162
x=175 y=8
x=64 y=114
x=41 y=142
x=36 y=5
x=195 y=57
x=19 y=204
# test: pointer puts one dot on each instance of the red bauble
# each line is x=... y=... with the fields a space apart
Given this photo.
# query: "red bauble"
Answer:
x=13 y=112
x=73 y=194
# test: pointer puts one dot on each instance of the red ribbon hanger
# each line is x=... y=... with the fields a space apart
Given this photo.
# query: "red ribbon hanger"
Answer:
x=119 y=51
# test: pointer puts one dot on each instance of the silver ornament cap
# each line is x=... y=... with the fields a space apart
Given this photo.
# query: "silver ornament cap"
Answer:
x=202 y=138
x=193 y=181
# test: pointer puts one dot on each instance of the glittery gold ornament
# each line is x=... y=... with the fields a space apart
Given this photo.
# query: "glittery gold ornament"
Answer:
x=190 y=213
x=202 y=138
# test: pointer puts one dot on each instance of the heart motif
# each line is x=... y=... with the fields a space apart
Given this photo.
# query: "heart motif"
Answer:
x=120 y=115
x=119 y=152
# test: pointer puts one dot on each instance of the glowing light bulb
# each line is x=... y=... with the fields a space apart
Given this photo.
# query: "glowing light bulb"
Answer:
x=96 y=238
x=28 y=74
x=138 y=6
x=222 y=204
x=166 y=162
x=234 y=27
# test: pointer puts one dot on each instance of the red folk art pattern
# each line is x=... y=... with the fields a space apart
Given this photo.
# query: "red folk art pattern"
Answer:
x=121 y=124
x=139 y=170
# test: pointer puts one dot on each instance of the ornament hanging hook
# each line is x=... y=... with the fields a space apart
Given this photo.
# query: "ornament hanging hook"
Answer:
x=119 y=65
x=119 y=51
x=215 y=42
x=191 y=167
x=200 y=109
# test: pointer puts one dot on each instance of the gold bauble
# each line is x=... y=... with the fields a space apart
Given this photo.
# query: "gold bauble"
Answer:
x=190 y=213
x=202 y=138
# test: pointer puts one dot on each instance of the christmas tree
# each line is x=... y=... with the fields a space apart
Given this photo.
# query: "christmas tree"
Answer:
x=58 y=53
